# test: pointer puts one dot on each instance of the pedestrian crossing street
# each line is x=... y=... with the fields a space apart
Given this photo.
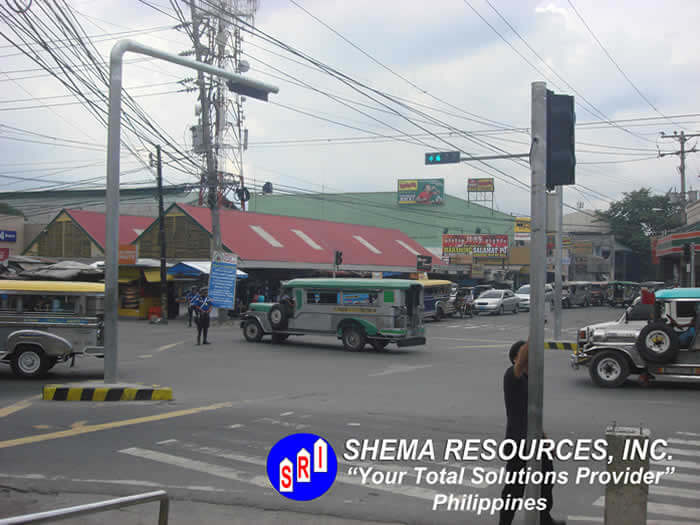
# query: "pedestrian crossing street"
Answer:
x=675 y=501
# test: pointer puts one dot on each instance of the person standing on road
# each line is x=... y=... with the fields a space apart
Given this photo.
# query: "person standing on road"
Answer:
x=515 y=395
x=191 y=298
x=203 y=308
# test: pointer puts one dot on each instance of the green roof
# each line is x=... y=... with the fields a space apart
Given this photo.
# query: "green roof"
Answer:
x=423 y=223
x=353 y=284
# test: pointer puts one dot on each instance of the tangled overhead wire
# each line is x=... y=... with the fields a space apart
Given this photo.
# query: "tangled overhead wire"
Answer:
x=17 y=8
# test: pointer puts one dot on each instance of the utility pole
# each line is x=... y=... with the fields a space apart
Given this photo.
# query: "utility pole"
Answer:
x=682 y=138
x=558 y=219
x=538 y=270
x=692 y=265
x=161 y=239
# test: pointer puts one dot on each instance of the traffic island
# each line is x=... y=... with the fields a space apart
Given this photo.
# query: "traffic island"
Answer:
x=106 y=392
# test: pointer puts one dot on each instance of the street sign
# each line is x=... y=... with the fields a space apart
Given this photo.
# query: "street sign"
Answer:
x=222 y=280
x=128 y=254
x=424 y=262
x=8 y=236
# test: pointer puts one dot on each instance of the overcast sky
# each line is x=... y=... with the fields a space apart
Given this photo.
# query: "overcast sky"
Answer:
x=453 y=64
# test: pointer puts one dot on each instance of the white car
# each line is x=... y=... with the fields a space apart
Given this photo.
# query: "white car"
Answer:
x=496 y=302
x=523 y=293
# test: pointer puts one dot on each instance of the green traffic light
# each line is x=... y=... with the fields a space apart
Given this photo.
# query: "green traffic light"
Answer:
x=437 y=158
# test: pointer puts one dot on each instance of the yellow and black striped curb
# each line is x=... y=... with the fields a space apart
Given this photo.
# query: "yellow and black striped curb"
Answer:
x=560 y=345
x=107 y=393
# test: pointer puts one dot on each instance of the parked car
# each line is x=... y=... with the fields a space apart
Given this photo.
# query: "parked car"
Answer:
x=634 y=344
x=523 y=293
x=479 y=289
x=496 y=302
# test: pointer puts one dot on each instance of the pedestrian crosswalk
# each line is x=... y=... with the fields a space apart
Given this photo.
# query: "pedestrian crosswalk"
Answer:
x=676 y=499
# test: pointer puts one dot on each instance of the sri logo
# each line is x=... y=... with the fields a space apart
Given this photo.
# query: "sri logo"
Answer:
x=302 y=466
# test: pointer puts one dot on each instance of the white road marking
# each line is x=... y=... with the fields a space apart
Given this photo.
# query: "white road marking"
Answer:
x=688 y=442
x=353 y=424
x=453 y=326
x=677 y=476
x=283 y=414
x=166 y=441
x=398 y=369
x=682 y=452
x=145 y=356
x=676 y=463
x=595 y=519
x=585 y=518
x=237 y=425
x=661 y=508
x=198 y=466
x=675 y=492
x=297 y=426
x=688 y=434
x=168 y=347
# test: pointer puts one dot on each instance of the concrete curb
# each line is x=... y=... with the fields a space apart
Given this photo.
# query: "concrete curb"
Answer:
x=102 y=392
x=560 y=345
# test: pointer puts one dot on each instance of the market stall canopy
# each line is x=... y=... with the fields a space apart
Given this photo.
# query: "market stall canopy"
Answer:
x=197 y=268
x=64 y=271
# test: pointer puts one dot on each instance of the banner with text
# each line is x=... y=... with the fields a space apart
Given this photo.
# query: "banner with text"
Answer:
x=476 y=185
x=476 y=245
x=421 y=191
x=521 y=229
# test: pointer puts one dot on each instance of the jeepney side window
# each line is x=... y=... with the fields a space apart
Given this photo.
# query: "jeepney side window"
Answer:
x=322 y=297
x=10 y=304
x=686 y=308
x=64 y=304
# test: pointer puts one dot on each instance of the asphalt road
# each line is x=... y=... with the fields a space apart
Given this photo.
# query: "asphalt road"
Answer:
x=235 y=400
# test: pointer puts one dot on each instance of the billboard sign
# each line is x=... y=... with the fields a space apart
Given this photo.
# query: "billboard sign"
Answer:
x=222 y=280
x=492 y=246
x=421 y=191
x=424 y=262
x=521 y=229
x=8 y=235
x=483 y=185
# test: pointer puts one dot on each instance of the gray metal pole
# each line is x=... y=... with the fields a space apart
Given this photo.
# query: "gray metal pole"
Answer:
x=112 y=193
x=692 y=265
x=558 y=214
x=161 y=241
x=538 y=270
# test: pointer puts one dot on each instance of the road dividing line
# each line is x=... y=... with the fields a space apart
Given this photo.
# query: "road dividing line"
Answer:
x=237 y=425
x=16 y=407
x=688 y=442
x=681 y=452
x=198 y=466
x=145 y=356
x=676 y=463
x=283 y=414
x=108 y=426
x=166 y=441
x=168 y=347
x=675 y=492
x=693 y=434
x=675 y=511
x=475 y=347
x=398 y=369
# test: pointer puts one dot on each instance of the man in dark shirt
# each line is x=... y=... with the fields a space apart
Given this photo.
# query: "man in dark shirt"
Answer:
x=515 y=395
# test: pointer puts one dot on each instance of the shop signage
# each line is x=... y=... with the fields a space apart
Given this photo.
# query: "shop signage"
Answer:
x=480 y=185
x=421 y=191
x=492 y=246
x=4 y=256
x=128 y=254
x=222 y=280
x=8 y=236
x=521 y=229
x=424 y=262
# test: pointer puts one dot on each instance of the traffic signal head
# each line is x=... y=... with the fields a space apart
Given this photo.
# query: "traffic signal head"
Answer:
x=686 y=250
x=443 y=157
x=561 y=151
x=338 y=258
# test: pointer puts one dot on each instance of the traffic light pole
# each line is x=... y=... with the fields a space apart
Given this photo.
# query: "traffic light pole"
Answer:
x=692 y=265
x=116 y=59
x=558 y=214
x=538 y=269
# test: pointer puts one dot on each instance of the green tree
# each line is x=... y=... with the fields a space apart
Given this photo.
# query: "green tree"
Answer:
x=637 y=217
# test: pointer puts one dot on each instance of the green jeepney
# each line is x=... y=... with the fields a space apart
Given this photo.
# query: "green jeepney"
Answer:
x=357 y=311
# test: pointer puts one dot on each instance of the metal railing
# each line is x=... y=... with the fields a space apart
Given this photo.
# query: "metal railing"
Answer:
x=93 y=508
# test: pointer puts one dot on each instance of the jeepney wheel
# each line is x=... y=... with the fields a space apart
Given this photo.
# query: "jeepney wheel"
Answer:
x=252 y=331
x=29 y=362
x=353 y=338
x=277 y=317
x=658 y=343
x=609 y=369
x=501 y=310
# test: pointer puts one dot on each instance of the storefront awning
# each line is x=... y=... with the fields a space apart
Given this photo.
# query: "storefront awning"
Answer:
x=197 y=268
x=153 y=276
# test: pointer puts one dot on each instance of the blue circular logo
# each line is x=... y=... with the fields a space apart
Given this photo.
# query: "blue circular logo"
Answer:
x=302 y=466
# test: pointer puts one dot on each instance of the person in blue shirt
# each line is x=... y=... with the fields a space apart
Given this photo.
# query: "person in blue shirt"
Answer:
x=203 y=308
x=191 y=298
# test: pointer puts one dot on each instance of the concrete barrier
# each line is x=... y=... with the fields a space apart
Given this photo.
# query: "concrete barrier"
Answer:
x=103 y=392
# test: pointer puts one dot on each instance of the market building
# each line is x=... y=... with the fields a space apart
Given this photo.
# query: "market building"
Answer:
x=672 y=252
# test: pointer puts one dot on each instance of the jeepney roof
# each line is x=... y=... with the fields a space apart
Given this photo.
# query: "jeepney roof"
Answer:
x=578 y=283
x=631 y=283
x=434 y=282
x=678 y=293
x=353 y=284
x=52 y=287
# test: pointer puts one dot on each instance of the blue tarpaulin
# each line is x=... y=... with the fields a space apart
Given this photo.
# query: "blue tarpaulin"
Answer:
x=197 y=268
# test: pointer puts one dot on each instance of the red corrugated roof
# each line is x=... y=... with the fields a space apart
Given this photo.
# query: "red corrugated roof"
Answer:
x=95 y=224
x=281 y=239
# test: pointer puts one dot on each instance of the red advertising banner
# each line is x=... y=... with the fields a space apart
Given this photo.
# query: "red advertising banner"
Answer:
x=476 y=245
x=4 y=255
